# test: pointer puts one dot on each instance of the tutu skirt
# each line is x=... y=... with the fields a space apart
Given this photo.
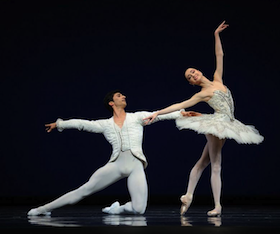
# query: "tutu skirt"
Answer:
x=221 y=126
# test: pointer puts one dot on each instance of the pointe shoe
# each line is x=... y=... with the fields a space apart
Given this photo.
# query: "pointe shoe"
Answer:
x=217 y=212
x=38 y=211
x=186 y=202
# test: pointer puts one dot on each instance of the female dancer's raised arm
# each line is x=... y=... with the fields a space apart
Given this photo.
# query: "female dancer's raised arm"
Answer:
x=196 y=77
x=219 y=53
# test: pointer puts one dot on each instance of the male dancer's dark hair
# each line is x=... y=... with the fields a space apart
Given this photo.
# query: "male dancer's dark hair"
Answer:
x=108 y=98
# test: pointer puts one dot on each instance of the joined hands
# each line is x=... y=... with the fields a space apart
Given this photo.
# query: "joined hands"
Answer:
x=151 y=118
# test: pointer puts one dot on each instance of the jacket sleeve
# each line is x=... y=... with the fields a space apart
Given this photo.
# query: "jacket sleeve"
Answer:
x=95 y=126
x=173 y=115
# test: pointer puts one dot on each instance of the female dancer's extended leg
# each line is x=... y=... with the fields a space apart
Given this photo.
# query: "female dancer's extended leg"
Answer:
x=195 y=175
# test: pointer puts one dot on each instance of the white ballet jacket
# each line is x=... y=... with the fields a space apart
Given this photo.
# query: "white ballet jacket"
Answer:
x=134 y=126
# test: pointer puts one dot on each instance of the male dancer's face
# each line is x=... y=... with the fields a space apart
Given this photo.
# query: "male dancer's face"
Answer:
x=119 y=100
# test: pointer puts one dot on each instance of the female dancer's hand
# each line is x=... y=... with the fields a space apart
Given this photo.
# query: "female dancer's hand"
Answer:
x=50 y=127
x=221 y=27
x=150 y=119
x=190 y=113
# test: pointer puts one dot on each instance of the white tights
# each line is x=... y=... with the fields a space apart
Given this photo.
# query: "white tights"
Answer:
x=126 y=165
x=211 y=154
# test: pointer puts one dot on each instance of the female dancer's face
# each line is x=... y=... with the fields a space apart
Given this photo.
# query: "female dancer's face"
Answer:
x=193 y=76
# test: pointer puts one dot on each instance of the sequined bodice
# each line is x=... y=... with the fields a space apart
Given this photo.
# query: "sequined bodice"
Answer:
x=222 y=103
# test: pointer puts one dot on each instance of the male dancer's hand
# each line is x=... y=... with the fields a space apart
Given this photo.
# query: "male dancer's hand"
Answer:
x=190 y=113
x=50 y=127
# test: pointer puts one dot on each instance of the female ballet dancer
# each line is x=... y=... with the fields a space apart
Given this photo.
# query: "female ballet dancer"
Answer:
x=217 y=127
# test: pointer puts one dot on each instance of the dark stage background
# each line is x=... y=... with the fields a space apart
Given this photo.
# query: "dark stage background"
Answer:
x=60 y=58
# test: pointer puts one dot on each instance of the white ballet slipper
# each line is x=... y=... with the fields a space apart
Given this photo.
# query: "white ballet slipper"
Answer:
x=38 y=211
x=112 y=208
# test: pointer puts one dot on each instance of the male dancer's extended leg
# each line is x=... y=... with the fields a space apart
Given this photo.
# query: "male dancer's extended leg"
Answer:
x=101 y=179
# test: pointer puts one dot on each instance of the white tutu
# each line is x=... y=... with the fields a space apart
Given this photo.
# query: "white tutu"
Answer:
x=222 y=123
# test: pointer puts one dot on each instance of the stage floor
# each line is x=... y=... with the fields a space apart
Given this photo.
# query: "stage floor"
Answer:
x=157 y=219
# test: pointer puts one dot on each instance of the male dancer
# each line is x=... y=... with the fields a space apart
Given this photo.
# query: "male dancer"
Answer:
x=124 y=131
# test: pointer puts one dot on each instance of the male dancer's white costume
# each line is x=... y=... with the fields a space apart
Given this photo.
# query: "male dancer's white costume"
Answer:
x=127 y=160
